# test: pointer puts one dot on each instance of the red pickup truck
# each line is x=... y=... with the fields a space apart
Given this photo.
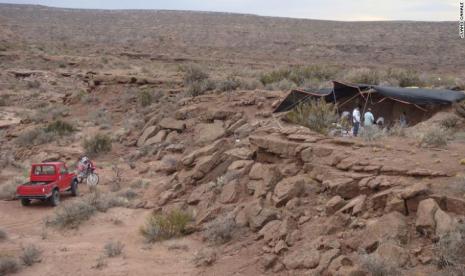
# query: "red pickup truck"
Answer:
x=46 y=181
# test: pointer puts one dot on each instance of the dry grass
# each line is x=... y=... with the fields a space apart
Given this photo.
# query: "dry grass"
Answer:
x=434 y=137
x=8 y=190
x=377 y=267
x=204 y=257
x=316 y=115
x=372 y=133
x=113 y=249
x=220 y=230
x=30 y=255
x=363 y=76
x=100 y=143
x=449 y=252
x=60 y=128
x=165 y=226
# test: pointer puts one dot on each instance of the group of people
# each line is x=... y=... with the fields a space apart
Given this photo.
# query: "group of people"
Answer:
x=369 y=119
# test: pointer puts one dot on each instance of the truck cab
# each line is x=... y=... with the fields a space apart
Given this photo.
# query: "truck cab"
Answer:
x=46 y=182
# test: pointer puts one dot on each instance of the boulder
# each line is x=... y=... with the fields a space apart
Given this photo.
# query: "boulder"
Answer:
x=307 y=155
x=392 y=254
x=270 y=230
x=287 y=189
x=321 y=151
x=390 y=227
x=302 y=259
x=205 y=164
x=334 y=204
x=277 y=145
x=158 y=138
x=172 y=124
x=197 y=194
x=148 y=133
x=240 y=153
x=425 y=222
x=444 y=223
x=207 y=150
x=258 y=216
x=264 y=177
x=326 y=258
x=354 y=206
x=206 y=133
x=230 y=193
x=346 y=187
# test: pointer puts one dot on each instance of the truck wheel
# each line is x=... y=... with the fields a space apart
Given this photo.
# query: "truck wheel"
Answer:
x=25 y=201
x=55 y=198
x=74 y=188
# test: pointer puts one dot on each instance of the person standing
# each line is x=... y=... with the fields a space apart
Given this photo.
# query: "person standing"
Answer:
x=368 y=118
x=356 y=120
x=403 y=119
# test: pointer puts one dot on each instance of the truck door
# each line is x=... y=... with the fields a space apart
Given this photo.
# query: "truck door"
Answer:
x=63 y=183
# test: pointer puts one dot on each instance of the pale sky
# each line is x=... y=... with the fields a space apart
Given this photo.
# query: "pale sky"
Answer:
x=423 y=10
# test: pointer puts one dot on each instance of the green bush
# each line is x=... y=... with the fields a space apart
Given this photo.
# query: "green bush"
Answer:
x=316 y=115
x=165 y=226
x=30 y=255
x=60 y=127
x=100 y=143
x=145 y=98
x=8 y=265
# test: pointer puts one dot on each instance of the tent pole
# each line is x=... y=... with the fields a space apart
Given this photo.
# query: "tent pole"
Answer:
x=335 y=103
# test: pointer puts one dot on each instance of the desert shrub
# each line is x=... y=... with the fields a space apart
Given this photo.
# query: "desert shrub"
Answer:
x=298 y=75
x=8 y=265
x=229 y=84
x=377 y=267
x=128 y=194
x=35 y=137
x=363 y=75
x=100 y=143
x=71 y=214
x=405 y=78
x=274 y=76
x=100 y=118
x=103 y=202
x=449 y=251
x=165 y=226
x=450 y=122
x=194 y=74
x=372 y=133
x=33 y=84
x=3 y=235
x=30 y=255
x=101 y=263
x=145 y=98
x=113 y=249
x=220 y=230
x=397 y=130
x=284 y=84
x=204 y=257
x=434 y=137
x=316 y=115
x=8 y=190
x=250 y=84
x=177 y=246
x=60 y=127
x=200 y=87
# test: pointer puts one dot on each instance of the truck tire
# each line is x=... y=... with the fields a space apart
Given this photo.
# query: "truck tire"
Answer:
x=55 y=198
x=25 y=201
x=74 y=188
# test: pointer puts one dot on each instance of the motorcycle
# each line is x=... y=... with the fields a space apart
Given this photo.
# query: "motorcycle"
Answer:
x=87 y=173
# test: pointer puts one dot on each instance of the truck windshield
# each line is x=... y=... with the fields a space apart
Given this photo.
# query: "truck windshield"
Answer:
x=44 y=170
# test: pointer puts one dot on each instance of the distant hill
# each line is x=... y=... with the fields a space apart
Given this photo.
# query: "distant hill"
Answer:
x=241 y=38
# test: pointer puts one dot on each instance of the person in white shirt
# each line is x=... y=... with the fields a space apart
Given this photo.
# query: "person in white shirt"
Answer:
x=356 y=120
x=368 y=118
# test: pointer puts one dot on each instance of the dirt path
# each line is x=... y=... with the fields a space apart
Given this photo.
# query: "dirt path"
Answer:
x=75 y=252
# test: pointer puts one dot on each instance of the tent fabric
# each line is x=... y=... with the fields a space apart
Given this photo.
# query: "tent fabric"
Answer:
x=417 y=96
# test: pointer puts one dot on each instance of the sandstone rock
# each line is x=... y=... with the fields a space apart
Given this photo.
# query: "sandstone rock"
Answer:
x=270 y=230
x=425 y=222
x=230 y=193
x=392 y=226
x=206 y=133
x=444 y=223
x=235 y=126
x=347 y=188
x=148 y=133
x=455 y=205
x=276 y=145
x=158 y=138
x=240 y=153
x=197 y=194
x=321 y=151
x=302 y=259
x=243 y=131
x=207 y=150
x=354 y=206
x=289 y=169
x=287 y=226
x=269 y=261
x=268 y=176
x=175 y=148
x=287 y=189
x=307 y=155
x=326 y=259
x=258 y=216
x=390 y=253
x=205 y=164
x=172 y=124
x=165 y=197
x=334 y=204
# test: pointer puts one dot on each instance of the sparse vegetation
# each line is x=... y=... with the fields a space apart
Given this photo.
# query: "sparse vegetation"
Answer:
x=60 y=128
x=397 y=130
x=363 y=76
x=448 y=252
x=204 y=257
x=8 y=265
x=165 y=226
x=434 y=137
x=8 y=190
x=377 y=267
x=30 y=255
x=316 y=115
x=35 y=137
x=100 y=143
x=450 y=122
x=372 y=133
x=299 y=75
x=220 y=230
x=101 y=263
x=113 y=249
x=194 y=74
x=145 y=98
x=404 y=78
x=229 y=84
